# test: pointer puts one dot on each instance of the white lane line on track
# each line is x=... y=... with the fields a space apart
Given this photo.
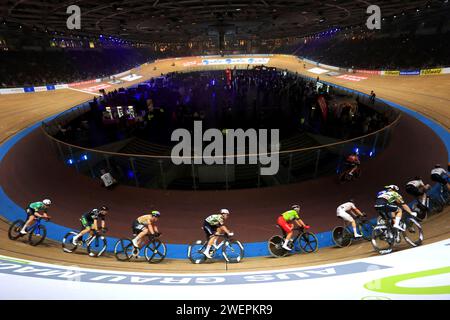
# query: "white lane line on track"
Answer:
x=84 y=91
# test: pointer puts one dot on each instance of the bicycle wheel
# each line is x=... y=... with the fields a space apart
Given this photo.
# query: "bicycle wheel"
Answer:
x=123 y=250
x=14 y=229
x=413 y=234
x=37 y=234
x=340 y=237
x=436 y=206
x=275 y=246
x=233 y=251
x=96 y=246
x=382 y=239
x=155 y=251
x=195 y=252
x=67 y=244
x=308 y=242
x=366 y=229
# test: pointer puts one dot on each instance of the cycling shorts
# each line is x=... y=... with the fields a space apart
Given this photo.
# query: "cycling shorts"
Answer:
x=442 y=179
x=413 y=190
x=385 y=208
x=209 y=229
x=30 y=212
x=284 y=225
x=344 y=215
x=86 y=223
x=137 y=227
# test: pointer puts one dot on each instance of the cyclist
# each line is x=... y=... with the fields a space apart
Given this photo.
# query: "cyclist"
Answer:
x=353 y=162
x=418 y=189
x=285 y=221
x=214 y=226
x=390 y=201
x=439 y=174
x=36 y=210
x=90 y=222
x=346 y=211
x=144 y=225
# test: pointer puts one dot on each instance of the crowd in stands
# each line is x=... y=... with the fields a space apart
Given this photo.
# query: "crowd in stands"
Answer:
x=253 y=98
x=57 y=66
x=377 y=53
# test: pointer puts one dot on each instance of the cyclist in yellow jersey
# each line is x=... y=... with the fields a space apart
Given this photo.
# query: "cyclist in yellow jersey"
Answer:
x=144 y=225
x=285 y=223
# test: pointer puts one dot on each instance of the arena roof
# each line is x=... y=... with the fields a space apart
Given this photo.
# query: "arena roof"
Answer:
x=184 y=20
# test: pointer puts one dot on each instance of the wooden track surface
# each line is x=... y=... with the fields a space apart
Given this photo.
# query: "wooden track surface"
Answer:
x=429 y=95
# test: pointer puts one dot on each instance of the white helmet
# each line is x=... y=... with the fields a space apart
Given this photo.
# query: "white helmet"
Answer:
x=47 y=202
x=392 y=187
x=224 y=211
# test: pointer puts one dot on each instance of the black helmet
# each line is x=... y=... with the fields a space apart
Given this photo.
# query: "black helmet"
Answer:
x=352 y=201
x=437 y=166
x=296 y=207
x=104 y=208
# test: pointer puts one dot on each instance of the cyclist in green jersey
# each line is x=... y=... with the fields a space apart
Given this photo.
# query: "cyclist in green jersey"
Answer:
x=36 y=210
x=285 y=223
x=213 y=226
x=389 y=202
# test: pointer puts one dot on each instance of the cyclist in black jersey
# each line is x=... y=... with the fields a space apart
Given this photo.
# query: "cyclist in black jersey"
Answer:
x=89 y=222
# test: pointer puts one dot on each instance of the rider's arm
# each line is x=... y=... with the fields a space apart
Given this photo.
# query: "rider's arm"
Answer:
x=406 y=208
x=103 y=224
x=358 y=212
x=151 y=229
x=224 y=228
x=95 y=224
x=300 y=223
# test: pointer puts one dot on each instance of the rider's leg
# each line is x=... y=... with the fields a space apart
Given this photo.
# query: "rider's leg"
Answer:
x=398 y=217
x=212 y=240
x=81 y=234
x=137 y=241
x=28 y=223
x=355 y=232
x=287 y=240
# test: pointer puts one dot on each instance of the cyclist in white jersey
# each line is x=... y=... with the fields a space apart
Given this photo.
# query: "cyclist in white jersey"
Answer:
x=346 y=212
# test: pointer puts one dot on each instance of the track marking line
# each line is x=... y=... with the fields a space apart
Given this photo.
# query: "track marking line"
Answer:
x=84 y=91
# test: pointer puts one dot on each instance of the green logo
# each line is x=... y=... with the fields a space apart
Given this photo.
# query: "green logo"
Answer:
x=389 y=284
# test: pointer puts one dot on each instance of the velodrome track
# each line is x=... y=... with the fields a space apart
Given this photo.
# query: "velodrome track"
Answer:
x=427 y=95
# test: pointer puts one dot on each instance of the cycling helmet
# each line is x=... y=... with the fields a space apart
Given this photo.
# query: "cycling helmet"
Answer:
x=352 y=201
x=47 y=202
x=437 y=166
x=156 y=214
x=392 y=187
x=224 y=211
x=104 y=208
x=296 y=207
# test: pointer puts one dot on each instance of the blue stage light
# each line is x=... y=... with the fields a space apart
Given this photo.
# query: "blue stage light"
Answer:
x=70 y=161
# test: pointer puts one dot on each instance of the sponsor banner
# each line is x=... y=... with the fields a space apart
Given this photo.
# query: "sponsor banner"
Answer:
x=427 y=72
x=352 y=78
x=318 y=71
x=28 y=89
x=98 y=80
x=375 y=72
x=446 y=70
x=190 y=64
x=50 y=87
x=131 y=77
x=333 y=74
x=40 y=89
x=390 y=73
x=97 y=88
x=11 y=91
x=410 y=73
x=61 y=86
x=215 y=62
x=76 y=84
